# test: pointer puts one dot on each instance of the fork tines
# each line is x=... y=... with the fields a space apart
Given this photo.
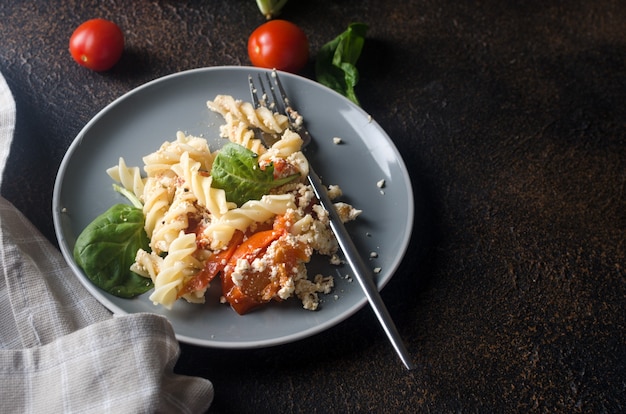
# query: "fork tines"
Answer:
x=274 y=97
x=261 y=99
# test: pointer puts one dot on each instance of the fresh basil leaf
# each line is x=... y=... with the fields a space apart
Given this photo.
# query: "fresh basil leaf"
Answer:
x=335 y=65
x=236 y=170
x=106 y=249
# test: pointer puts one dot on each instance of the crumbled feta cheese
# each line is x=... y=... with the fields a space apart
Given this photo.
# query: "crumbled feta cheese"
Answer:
x=324 y=283
x=195 y=297
x=241 y=268
x=334 y=191
x=335 y=260
x=308 y=290
x=295 y=116
x=347 y=212
x=320 y=212
x=380 y=183
x=287 y=290
x=259 y=264
x=337 y=140
x=320 y=237
x=305 y=195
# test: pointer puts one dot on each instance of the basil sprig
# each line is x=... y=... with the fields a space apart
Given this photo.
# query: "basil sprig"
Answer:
x=236 y=170
x=335 y=65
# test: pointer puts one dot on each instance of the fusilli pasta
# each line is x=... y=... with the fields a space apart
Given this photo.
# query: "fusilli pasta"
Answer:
x=129 y=177
x=191 y=224
x=178 y=265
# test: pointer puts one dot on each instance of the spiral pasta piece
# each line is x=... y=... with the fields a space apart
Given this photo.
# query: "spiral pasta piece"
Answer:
x=289 y=143
x=129 y=177
x=261 y=117
x=158 y=195
x=147 y=264
x=173 y=221
x=288 y=147
x=240 y=133
x=220 y=231
x=177 y=266
x=170 y=152
x=213 y=199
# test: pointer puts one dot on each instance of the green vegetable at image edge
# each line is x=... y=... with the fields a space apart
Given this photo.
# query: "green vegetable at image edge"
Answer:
x=335 y=65
x=106 y=249
x=270 y=8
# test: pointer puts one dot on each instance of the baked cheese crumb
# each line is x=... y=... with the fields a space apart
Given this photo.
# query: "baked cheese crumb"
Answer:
x=307 y=291
x=334 y=191
x=347 y=212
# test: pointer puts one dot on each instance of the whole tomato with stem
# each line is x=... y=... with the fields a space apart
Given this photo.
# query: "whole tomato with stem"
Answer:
x=279 y=44
x=97 y=44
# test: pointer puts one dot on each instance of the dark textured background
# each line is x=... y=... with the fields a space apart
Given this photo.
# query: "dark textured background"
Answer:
x=511 y=117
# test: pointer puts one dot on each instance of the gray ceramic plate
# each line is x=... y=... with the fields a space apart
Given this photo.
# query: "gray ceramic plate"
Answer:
x=137 y=123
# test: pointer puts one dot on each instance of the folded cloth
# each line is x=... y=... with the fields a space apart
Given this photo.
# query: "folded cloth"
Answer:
x=60 y=349
x=7 y=122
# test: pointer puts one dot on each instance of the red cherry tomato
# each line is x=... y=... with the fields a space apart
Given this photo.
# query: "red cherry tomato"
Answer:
x=278 y=44
x=97 y=44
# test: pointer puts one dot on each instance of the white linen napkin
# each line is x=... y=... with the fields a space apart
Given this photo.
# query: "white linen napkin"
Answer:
x=7 y=122
x=60 y=349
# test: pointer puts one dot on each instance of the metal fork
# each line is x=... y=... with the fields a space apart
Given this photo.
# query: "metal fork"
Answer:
x=273 y=96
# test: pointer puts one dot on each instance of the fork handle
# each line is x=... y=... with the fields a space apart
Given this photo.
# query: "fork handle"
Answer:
x=361 y=271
